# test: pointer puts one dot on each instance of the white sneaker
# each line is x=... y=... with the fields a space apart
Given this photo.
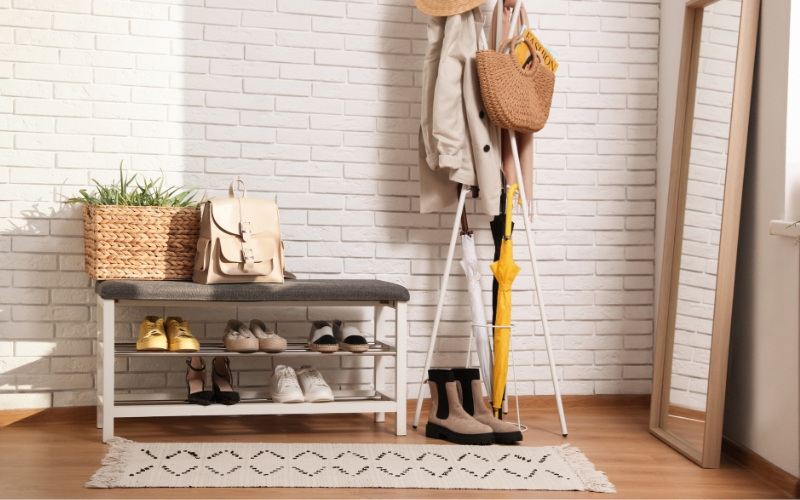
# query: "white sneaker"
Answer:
x=314 y=387
x=284 y=386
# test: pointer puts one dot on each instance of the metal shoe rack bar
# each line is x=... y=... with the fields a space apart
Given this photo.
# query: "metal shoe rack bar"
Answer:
x=293 y=350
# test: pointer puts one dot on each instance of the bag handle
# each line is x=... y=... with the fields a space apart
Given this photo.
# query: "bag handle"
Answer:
x=535 y=53
x=234 y=185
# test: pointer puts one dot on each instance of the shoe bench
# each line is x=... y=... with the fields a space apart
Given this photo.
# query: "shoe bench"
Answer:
x=382 y=296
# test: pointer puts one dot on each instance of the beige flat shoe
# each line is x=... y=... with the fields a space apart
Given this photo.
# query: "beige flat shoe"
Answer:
x=267 y=340
x=239 y=338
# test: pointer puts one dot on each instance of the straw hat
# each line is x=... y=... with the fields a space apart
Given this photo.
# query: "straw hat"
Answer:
x=446 y=7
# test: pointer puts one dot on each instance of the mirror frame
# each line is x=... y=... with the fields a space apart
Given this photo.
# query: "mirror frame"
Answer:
x=709 y=456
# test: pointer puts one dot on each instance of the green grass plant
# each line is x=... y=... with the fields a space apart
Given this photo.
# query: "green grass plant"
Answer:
x=149 y=193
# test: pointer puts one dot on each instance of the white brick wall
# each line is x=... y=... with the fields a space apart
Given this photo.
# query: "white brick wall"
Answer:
x=315 y=103
x=703 y=216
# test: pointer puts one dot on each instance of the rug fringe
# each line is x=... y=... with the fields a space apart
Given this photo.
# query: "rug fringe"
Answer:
x=593 y=479
x=113 y=465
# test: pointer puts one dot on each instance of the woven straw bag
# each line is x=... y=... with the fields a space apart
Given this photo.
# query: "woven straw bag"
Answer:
x=515 y=98
x=140 y=243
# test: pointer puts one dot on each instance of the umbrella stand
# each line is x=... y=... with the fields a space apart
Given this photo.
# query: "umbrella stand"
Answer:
x=523 y=428
x=469 y=364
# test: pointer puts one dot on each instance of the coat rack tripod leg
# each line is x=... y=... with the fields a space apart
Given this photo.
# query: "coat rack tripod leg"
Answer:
x=442 y=292
x=539 y=293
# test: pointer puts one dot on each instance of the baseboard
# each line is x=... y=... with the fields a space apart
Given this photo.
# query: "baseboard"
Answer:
x=682 y=411
x=44 y=415
x=761 y=467
x=80 y=413
x=571 y=401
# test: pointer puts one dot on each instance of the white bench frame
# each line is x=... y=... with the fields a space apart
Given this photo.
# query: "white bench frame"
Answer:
x=111 y=406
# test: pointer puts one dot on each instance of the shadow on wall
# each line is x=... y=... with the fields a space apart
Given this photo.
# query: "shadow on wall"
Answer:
x=47 y=332
x=327 y=131
x=741 y=362
x=45 y=341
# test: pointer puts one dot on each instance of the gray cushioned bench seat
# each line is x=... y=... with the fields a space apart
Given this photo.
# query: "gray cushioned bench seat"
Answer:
x=291 y=290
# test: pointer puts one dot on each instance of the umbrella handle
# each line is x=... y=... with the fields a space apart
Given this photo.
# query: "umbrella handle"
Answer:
x=509 y=208
x=464 y=223
x=465 y=230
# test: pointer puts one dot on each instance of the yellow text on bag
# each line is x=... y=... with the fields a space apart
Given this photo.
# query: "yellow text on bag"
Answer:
x=524 y=55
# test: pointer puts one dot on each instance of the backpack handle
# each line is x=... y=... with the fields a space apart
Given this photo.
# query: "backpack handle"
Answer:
x=234 y=185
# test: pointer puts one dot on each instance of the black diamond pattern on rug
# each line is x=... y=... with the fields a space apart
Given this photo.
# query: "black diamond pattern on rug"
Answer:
x=476 y=465
x=340 y=465
x=435 y=464
x=267 y=462
x=310 y=463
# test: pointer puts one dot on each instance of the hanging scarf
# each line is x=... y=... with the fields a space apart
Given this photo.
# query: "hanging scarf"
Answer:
x=524 y=141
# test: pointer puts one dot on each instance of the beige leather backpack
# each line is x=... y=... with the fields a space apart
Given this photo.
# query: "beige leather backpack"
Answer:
x=240 y=241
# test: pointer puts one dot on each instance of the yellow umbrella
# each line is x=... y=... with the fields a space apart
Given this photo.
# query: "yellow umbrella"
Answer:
x=505 y=270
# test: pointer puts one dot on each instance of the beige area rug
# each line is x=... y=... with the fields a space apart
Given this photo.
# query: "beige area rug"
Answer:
x=336 y=465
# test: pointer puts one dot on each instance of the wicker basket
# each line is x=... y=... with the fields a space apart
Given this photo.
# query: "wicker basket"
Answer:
x=142 y=243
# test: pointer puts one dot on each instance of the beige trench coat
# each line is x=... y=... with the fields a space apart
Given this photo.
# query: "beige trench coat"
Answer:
x=458 y=142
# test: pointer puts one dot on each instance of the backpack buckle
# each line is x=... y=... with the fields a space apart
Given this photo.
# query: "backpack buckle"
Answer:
x=249 y=257
x=244 y=229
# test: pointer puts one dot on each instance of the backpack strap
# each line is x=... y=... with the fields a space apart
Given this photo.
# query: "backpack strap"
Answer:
x=232 y=189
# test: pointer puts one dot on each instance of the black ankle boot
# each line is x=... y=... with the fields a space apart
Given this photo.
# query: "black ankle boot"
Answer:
x=471 y=395
x=447 y=419
x=465 y=376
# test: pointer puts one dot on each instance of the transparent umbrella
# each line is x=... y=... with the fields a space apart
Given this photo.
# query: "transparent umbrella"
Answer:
x=469 y=262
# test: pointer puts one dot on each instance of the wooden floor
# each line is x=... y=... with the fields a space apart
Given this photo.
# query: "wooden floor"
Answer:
x=53 y=453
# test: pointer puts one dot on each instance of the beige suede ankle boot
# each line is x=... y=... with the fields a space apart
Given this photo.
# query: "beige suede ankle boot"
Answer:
x=470 y=392
x=447 y=419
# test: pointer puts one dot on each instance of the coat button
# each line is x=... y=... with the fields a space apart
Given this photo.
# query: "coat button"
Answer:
x=486 y=148
x=481 y=114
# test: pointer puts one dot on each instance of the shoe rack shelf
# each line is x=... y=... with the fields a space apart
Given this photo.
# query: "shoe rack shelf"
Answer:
x=382 y=297
x=293 y=350
x=252 y=403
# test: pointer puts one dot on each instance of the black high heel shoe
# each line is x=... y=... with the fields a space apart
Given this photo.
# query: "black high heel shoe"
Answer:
x=223 y=384
x=196 y=387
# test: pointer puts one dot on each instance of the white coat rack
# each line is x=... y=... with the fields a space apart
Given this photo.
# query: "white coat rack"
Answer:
x=531 y=247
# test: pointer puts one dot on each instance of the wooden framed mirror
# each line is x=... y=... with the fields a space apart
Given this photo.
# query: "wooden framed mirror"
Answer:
x=702 y=226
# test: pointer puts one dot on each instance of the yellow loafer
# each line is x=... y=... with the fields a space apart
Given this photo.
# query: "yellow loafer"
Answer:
x=180 y=336
x=152 y=336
